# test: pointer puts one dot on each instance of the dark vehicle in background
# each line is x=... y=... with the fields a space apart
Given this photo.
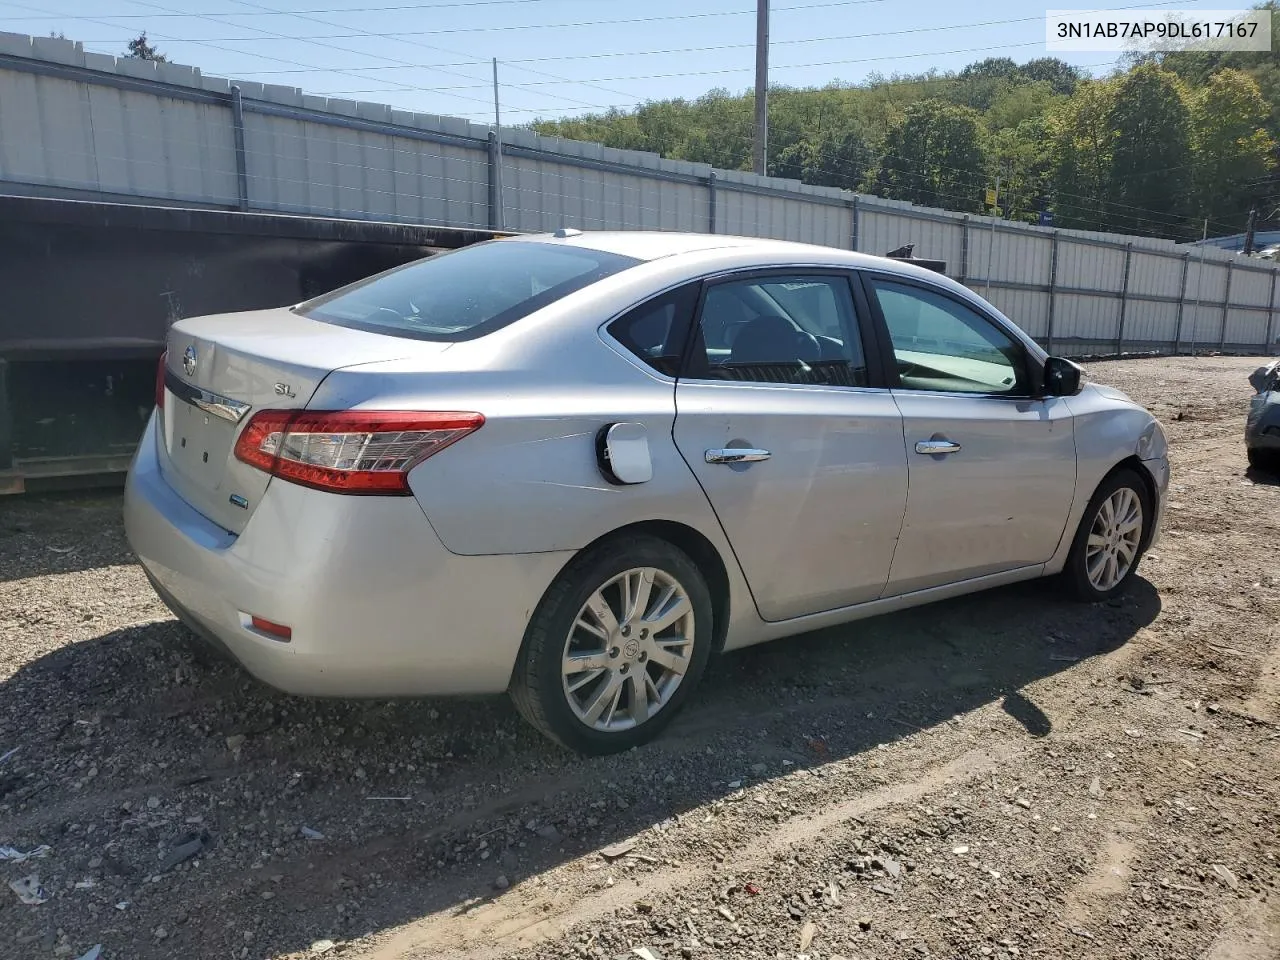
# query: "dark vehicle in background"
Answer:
x=1262 y=429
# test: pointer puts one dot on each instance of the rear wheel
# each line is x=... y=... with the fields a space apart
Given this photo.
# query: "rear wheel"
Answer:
x=1111 y=537
x=616 y=646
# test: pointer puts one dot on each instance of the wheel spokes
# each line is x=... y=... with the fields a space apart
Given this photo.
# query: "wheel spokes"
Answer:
x=670 y=608
x=583 y=679
x=605 y=619
x=639 y=687
x=575 y=663
x=616 y=671
x=1111 y=547
x=636 y=587
x=606 y=699
x=666 y=656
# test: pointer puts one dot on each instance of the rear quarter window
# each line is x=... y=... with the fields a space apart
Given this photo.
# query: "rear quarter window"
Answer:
x=465 y=293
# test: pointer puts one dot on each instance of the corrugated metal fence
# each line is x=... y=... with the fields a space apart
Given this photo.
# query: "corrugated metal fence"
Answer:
x=83 y=125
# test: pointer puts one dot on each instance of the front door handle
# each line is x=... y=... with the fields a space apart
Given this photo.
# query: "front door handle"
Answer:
x=737 y=455
x=935 y=447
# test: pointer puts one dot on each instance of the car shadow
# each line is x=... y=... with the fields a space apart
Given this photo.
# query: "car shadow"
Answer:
x=133 y=735
x=1265 y=478
x=56 y=533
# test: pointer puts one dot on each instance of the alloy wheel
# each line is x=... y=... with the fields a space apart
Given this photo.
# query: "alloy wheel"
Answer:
x=628 y=649
x=1114 y=539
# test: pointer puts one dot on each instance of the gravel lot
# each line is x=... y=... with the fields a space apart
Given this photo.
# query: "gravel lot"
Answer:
x=1006 y=775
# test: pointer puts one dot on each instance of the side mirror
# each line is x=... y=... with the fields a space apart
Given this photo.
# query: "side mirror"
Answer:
x=1061 y=377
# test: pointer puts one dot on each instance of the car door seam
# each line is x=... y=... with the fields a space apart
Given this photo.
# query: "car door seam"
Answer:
x=711 y=503
x=906 y=500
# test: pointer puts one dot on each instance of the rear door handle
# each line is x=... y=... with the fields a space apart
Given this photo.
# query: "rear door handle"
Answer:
x=737 y=455
x=935 y=447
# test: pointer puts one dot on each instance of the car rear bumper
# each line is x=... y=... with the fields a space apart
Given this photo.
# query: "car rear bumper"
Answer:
x=377 y=606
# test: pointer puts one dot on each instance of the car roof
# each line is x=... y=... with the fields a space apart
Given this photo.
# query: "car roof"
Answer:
x=656 y=244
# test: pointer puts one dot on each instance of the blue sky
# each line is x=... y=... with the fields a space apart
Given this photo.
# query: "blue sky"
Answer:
x=557 y=57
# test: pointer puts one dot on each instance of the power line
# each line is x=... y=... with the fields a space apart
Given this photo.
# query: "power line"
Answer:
x=418 y=7
x=447 y=90
x=680 y=50
x=416 y=88
x=452 y=53
x=214 y=13
x=554 y=79
x=785 y=66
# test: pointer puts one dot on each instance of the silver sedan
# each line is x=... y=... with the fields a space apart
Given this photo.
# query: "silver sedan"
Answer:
x=576 y=467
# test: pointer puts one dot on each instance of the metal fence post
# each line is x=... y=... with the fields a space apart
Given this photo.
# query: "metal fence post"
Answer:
x=1271 y=315
x=1053 y=289
x=1124 y=297
x=711 y=202
x=494 y=160
x=1182 y=303
x=854 y=214
x=1226 y=307
x=242 y=165
x=964 y=249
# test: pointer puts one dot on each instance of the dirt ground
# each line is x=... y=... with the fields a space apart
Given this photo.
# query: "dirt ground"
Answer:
x=1005 y=775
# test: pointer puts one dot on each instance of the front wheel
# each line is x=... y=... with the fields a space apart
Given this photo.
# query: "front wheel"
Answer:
x=616 y=646
x=1110 y=539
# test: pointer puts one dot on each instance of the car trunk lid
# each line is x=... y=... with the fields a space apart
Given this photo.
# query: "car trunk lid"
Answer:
x=223 y=369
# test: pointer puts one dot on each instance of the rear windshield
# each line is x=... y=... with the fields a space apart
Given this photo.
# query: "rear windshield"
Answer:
x=466 y=293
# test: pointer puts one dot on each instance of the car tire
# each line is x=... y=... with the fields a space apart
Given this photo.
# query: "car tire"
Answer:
x=601 y=709
x=1264 y=460
x=1100 y=566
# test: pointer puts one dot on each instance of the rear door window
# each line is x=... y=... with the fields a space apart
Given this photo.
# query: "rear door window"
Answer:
x=656 y=330
x=780 y=329
x=466 y=293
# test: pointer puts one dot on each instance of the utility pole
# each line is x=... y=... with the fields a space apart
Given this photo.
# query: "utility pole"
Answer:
x=497 y=130
x=761 y=147
x=991 y=249
x=1249 y=230
x=1195 y=317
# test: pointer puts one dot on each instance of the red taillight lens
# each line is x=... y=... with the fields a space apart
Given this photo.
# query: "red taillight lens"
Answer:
x=269 y=627
x=349 y=451
x=164 y=361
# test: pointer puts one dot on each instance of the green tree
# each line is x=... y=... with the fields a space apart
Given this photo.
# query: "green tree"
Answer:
x=834 y=158
x=933 y=156
x=1263 y=68
x=1150 y=175
x=1061 y=77
x=1023 y=156
x=1232 y=151
x=140 y=49
x=721 y=131
x=1082 y=145
x=1168 y=138
x=999 y=68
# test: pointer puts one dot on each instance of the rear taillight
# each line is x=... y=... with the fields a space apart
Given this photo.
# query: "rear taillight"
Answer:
x=349 y=451
x=164 y=360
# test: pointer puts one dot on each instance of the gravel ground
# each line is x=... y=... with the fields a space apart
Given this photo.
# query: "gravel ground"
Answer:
x=1005 y=775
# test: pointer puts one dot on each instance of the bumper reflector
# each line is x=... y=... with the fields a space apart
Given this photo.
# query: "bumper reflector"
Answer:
x=276 y=631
